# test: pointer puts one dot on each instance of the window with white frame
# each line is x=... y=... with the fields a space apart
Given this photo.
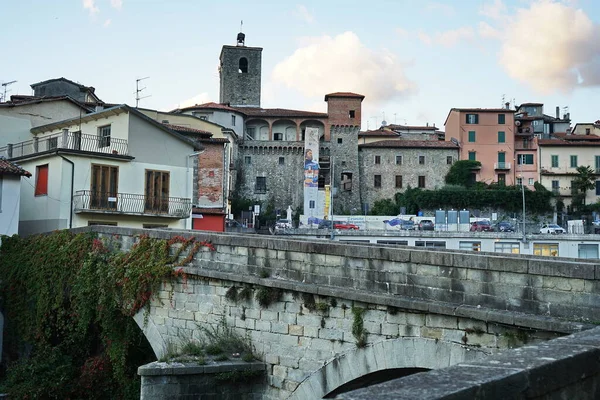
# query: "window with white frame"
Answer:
x=104 y=136
x=398 y=160
x=507 y=247
x=471 y=246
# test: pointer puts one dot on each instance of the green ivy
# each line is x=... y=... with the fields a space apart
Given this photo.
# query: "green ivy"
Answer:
x=69 y=300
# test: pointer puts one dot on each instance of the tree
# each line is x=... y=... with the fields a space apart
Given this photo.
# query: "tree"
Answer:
x=385 y=207
x=461 y=173
x=584 y=181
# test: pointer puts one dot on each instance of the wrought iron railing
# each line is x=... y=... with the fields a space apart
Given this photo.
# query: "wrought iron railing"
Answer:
x=66 y=140
x=131 y=204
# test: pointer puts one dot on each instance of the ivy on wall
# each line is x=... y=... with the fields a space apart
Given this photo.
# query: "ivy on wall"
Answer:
x=68 y=301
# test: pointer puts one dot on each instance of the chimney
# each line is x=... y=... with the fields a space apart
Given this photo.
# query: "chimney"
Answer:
x=507 y=105
x=427 y=124
x=557 y=112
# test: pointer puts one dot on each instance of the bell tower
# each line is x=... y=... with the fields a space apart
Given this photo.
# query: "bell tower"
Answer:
x=240 y=72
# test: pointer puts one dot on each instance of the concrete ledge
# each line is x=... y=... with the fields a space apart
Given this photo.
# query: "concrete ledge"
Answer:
x=567 y=367
x=163 y=368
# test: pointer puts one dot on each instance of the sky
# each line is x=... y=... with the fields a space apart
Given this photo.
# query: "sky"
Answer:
x=414 y=60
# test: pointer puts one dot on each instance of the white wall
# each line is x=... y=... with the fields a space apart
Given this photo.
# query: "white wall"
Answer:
x=43 y=113
x=14 y=130
x=10 y=193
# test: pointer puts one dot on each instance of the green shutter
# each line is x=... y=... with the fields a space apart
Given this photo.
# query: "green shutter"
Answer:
x=472 y=156
x=555 y=161
x=501 y=119
x=501 y=137
x=471 y=136
x=501 y=157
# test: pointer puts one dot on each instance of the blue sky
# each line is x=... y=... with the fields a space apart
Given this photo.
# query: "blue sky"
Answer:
x=414 y=60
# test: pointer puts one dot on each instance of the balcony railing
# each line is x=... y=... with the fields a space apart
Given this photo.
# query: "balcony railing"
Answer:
x=131 y=204
x=66 y=140
x=502 y=165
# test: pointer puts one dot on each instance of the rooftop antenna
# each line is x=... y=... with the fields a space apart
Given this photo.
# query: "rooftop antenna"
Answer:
x=384 y=122
x=503 y=101
x=138 y=91
x=241 y=38
x=5 y=84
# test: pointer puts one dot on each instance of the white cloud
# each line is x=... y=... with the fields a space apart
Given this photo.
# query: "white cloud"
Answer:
x=201 y=98
x=442 y=8
x=495 y=10
x=90 y=5
x=552 y=46
x=343 y=63
x=116 y=4
x=402 y=33
x=448 y=38
x=487 y=31
x=107 y=23
x=302 y=13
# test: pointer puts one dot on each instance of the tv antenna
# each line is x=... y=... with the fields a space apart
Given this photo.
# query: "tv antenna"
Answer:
x=138 y=91
x=5 y=84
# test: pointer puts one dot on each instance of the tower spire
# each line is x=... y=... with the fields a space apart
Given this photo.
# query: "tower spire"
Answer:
x=241 y=38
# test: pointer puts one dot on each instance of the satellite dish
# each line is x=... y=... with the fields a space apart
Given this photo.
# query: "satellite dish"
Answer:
x=518 y=123
x=383 y=123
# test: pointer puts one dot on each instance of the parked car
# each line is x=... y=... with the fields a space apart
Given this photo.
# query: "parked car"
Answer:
x=407 y=225
x=481 y=226
x=426 y=225
x=552 y=229
x=325 y=224
x=283 y=224
x=503 y=227
x=344 y=226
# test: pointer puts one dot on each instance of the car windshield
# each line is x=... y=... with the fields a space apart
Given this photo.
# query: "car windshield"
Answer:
x=553 y=226
x=483 y=222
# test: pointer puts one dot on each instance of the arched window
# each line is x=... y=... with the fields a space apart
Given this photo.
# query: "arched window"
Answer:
x=243 y=65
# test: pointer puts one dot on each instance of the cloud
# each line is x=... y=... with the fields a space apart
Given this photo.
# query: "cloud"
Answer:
x=116 y=4
x=91 y=6
x=444 y=9
x=487 y=31
x=201 y=98
x=552 y=46
x=495 y=10
x=107 y=23
x=448 y=38
x=343 y=63
x=302 y=13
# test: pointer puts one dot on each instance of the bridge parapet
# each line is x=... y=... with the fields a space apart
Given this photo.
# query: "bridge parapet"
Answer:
x=538 y=292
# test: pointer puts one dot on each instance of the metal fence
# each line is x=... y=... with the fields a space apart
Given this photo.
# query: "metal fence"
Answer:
x=128 y=203
x=66 y=140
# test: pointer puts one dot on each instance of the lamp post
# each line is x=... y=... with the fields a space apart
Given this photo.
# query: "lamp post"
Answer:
x=523 y=194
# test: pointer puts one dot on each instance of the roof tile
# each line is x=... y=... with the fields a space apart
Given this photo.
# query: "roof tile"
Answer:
x=399 y=143
x=9 y=167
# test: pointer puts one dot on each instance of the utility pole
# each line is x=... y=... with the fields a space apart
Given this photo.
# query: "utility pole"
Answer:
x=5 y=84
x=138 y=91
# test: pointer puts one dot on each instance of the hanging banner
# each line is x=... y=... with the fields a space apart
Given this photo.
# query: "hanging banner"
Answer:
x=311 y=171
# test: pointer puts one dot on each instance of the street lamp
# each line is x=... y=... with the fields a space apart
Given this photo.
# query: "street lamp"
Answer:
x=523 y=193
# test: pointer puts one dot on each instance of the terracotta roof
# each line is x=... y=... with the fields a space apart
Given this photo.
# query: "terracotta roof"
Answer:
x=210 y=106
x=560 y=142
x=409 y=127
x=564 y=136
x=8 y=167
x=213 y=140
x=483 y=110
x=278 y=112
x=378 y=132
x=186 y=129
x=530 y=104
x=431 y=144
x=344 y=94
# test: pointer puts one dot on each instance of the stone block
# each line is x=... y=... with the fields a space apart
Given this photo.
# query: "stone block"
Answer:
x=431 y=333
x=280 y=371
x=441 y=321
x=311 y=331
x=389 y=329
x=296 y=330
x=290 y=362
x=279 y=327
x=263 y=325
x=331 y=334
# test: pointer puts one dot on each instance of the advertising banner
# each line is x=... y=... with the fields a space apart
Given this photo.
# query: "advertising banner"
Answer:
x=311 y=171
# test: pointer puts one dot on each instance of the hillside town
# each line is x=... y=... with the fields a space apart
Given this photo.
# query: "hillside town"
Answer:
x=84 y=161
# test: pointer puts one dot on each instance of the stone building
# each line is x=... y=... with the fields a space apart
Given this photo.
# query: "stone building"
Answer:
x=66 y=87
x=390 y=166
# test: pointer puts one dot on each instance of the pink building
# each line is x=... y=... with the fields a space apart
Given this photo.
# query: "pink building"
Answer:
x=485 y=135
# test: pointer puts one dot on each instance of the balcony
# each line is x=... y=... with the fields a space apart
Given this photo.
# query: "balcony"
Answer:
x=66 y=140
x=502 y=165
x=87 y=201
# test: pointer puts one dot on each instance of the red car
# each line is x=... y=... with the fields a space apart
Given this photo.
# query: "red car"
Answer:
x=345 y=225
x=481 y=226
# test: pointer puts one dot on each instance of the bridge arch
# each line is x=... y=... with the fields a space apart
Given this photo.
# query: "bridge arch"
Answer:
x=152 y=333
x=405 y=352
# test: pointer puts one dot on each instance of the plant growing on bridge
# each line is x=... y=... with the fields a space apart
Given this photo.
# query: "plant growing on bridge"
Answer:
x=267 y=295
x=358 y=329
x=69 y=298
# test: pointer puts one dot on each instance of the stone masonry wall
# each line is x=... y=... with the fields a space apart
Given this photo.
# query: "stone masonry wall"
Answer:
x=434 y=170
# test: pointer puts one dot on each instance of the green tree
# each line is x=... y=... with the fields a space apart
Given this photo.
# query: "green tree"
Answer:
x=461 y=173
x=583 y=182
x=385 y=207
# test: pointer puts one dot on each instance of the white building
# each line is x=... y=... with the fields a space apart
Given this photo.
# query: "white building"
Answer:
x=112 y=167
x=10 y=194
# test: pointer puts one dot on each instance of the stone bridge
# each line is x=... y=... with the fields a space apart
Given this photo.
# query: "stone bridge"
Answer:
x=343 y=312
